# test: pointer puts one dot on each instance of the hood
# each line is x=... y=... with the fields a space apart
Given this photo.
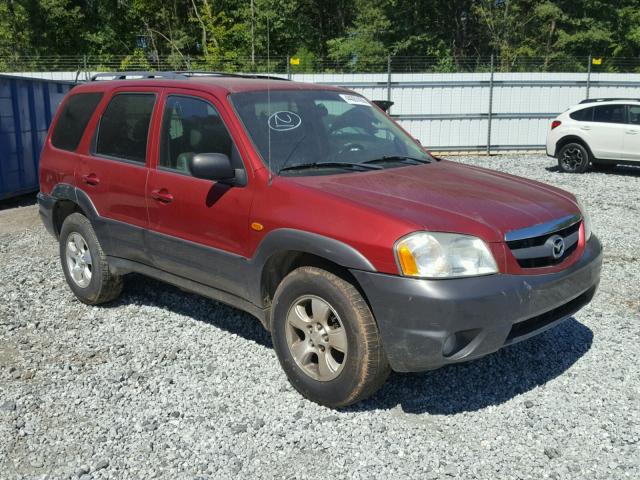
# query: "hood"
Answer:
x=450 y=197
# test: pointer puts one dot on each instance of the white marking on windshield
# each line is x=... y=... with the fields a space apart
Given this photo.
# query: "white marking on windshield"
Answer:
x=284 y=120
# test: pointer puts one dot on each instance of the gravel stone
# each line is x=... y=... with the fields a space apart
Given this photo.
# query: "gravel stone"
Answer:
x=552 y=452
x=82 y=470
x=164 y=384
x=101 y=464
x=239 y=428
x=8 y=406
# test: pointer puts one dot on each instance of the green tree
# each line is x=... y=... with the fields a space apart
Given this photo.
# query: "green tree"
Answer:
x=363 y=45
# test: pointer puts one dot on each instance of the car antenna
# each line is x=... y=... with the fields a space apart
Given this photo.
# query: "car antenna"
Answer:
x=268 y=109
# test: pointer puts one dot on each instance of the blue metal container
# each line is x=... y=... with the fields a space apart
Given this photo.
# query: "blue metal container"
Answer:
x=27 y=106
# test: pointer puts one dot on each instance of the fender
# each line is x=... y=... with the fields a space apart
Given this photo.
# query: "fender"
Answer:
x=64 y=191
x=287 y=239
x=571 y=139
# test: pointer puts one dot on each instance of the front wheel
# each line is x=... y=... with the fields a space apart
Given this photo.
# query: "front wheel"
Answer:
x=573 y=158
x=326 y=338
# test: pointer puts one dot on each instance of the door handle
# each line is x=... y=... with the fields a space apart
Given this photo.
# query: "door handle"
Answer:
x=162 y=195
x=91 y=179
x=584 y=127
x=632 y=132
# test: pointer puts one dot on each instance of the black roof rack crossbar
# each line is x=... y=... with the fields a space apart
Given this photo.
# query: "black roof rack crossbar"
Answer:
x=178 y=75
x=595 y=100
x=133 y=75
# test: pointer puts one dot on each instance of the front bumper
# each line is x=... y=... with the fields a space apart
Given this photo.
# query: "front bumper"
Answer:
x=426 y=324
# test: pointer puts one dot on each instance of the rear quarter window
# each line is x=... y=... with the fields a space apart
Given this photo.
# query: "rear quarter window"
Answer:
x=73 y=120
x=583 y=115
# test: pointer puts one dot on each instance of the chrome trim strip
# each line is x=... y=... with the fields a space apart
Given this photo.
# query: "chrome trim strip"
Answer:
x=541 y=229
x=543 y=251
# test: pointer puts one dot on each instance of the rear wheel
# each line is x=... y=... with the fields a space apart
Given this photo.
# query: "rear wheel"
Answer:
x=326 y=338
x=84 y=263
x=573 y=158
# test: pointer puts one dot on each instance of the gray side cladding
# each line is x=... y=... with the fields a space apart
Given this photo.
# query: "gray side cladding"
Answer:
x=218 y=269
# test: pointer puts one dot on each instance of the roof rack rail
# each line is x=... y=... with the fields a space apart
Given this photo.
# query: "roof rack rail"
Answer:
x=178 y=75
x=595 y=100
x=196 y=73
x=137 y=75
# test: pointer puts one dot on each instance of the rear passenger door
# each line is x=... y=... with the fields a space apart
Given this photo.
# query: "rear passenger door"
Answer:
x=198 y=228
x=114 y=171
x=632 y=134
x=606 y=132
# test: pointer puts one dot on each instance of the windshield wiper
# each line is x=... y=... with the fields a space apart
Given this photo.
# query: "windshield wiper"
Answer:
x=344 y=165
x=397 y=158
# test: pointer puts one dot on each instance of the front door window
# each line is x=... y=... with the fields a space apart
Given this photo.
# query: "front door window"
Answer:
x=190 y=126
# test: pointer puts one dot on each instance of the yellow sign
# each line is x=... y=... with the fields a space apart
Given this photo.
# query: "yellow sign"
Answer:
x=596 y=61
x=295 y=61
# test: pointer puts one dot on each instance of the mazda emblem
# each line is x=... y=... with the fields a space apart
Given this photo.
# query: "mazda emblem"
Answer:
x=556 y=242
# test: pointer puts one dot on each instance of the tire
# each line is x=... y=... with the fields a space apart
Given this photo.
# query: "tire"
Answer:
x=573 y=158
x=87 y=275
x=355 y=365
x=604 y=167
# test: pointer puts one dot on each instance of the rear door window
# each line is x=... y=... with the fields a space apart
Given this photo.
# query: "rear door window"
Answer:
x=73 y=120
x=584 y=115
x=124 y=127
x=609 y=114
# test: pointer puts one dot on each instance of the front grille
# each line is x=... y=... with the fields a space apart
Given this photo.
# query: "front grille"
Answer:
x=530 y=325
x=542 y=249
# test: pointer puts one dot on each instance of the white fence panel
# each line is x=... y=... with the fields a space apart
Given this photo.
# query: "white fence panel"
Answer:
x=450 y=111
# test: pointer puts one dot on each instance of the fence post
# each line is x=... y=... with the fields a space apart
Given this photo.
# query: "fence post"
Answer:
x=490 y=113
x=288 y=67
x=588 y=75
x=389 y=80
x=85 y=68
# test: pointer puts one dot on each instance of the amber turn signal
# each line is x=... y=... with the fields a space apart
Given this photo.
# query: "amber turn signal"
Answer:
x=407 y=262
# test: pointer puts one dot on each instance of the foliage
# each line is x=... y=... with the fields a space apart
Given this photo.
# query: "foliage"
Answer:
x=340 y=34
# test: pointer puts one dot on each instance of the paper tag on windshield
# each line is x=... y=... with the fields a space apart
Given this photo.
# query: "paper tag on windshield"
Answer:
x=354 y=99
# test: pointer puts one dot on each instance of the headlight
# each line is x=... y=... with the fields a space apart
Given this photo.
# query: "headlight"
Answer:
x=443 y=255
x=586 y=220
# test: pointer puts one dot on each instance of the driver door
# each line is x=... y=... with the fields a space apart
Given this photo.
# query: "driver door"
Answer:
x=198 y=228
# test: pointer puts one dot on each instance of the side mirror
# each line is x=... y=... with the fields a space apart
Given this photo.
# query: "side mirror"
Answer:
x=384 y=105
x=211 y=166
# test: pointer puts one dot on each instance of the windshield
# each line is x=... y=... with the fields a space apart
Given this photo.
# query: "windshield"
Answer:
x=319 y=132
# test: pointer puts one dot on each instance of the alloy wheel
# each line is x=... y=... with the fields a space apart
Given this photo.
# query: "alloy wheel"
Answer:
x=316 y=338
x=572 y=158
x=79 y=262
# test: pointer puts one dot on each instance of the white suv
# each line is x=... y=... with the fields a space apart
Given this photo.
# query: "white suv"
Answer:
x=601 y=131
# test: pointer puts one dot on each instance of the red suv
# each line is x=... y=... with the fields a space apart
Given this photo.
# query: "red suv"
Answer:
x=311 y=209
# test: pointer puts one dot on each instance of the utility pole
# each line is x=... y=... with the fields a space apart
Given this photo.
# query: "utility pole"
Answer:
x=253 y=42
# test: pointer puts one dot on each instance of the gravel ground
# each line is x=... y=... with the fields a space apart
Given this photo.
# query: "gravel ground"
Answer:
x=165 y=384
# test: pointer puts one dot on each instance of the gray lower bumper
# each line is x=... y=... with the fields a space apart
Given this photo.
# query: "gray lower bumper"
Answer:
x=426 y=324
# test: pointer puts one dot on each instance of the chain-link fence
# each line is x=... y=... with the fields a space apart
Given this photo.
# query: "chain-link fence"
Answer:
x=472 y=104
x=140 y=60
